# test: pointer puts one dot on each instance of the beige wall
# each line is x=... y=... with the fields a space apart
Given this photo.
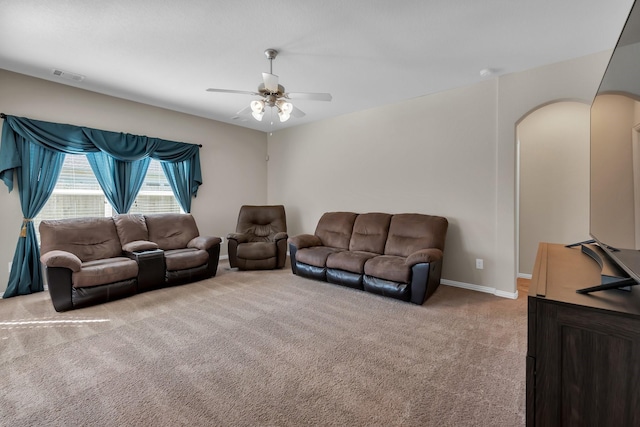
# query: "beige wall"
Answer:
x=233 y=159
x=452 y=154
x=554 y=178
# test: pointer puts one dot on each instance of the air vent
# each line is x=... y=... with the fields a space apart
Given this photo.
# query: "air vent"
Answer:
x=67 y=75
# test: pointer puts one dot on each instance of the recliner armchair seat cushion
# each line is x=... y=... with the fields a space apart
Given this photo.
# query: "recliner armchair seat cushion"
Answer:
x=352 y=261
x=257 y=250
x=316 y=256
x=389 y=267
x=182 y=259
x=103 y=271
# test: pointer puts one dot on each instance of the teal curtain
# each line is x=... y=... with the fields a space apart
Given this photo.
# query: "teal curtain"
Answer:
x=37 y=171
x=178 y=175
x=120 y=180
x=185 y=177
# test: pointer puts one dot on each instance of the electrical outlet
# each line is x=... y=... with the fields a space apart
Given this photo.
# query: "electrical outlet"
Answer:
x=10 y=267
x=221 y=240
x=479 y=263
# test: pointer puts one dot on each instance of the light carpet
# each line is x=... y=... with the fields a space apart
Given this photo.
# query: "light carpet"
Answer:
x=264 y=348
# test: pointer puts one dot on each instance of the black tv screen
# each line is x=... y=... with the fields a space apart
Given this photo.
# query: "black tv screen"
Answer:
x=615 y=153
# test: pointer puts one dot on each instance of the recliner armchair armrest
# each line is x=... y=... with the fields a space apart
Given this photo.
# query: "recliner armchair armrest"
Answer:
x=57 y=258
x=305 y=241
x=204 y=242
x=424 y=255
x=280 y=236
x=238 y=237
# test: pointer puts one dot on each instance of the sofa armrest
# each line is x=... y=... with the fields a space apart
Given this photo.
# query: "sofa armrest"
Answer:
x=238 y=237
x=57 y=258
x=280 y=236
x=204 y=242
x=305 y=241
x=139 y=246
x=424 y=255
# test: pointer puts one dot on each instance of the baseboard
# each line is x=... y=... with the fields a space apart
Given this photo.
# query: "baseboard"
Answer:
x=485 y=289
x=224 y=257
x=524 y=276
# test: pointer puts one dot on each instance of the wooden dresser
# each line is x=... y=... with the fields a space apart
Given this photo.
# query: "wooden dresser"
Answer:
x=583 y=355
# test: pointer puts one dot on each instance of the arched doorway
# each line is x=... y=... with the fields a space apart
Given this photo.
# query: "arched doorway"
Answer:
x=553 y=178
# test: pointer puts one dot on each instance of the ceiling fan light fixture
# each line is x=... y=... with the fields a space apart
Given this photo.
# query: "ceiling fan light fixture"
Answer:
x=284 y=109
x=284 y=106
x=284 y=116
x=257 y=109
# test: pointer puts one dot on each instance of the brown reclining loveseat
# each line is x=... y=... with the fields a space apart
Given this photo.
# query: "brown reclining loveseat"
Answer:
x=90 y=261
x=393 y=255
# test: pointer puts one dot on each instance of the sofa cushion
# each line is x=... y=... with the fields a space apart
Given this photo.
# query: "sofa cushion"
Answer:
x=182 y=259
x=131 y=228
x=352 y=261
x=257 y=250
x=334 y=229
x=315 y=255
x=388 y=267
x=411 y=232
x=370 y=232
x=87 y=238
x=103 y=271
x=171 y=231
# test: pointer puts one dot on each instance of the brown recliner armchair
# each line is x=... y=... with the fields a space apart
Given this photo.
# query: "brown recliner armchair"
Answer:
x=260 y=240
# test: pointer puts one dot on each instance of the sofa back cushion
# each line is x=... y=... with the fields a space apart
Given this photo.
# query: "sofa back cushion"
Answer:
x=370 y=232
x=334 y=229
x=89 y=239
x=411 y=232
x=171 y=230
x=261 y=223
x=131 y=227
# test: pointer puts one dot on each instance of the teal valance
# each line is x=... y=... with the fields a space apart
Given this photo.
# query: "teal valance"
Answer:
x=72 y=139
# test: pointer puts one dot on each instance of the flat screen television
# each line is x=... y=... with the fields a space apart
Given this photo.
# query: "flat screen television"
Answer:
x=615 y=157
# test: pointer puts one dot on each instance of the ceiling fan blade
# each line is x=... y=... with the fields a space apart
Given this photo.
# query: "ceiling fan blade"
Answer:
x=270 y=82
x=310 y=96
x=241 y=92
x=296 y=112
x=245 y=111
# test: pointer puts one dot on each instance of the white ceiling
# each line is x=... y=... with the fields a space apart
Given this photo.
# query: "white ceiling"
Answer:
x=366 y=53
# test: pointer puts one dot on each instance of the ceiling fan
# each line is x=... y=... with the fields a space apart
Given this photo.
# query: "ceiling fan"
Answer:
x=273 y=94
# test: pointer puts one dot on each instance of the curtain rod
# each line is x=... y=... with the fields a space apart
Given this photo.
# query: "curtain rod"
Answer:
x=4 y=116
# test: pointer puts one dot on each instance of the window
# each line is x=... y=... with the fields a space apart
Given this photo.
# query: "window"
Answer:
x=78 y=194
x=156 y=195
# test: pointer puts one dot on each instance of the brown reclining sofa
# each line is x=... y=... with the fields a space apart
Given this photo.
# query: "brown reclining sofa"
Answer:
x=399 y=255
x=90 y=261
